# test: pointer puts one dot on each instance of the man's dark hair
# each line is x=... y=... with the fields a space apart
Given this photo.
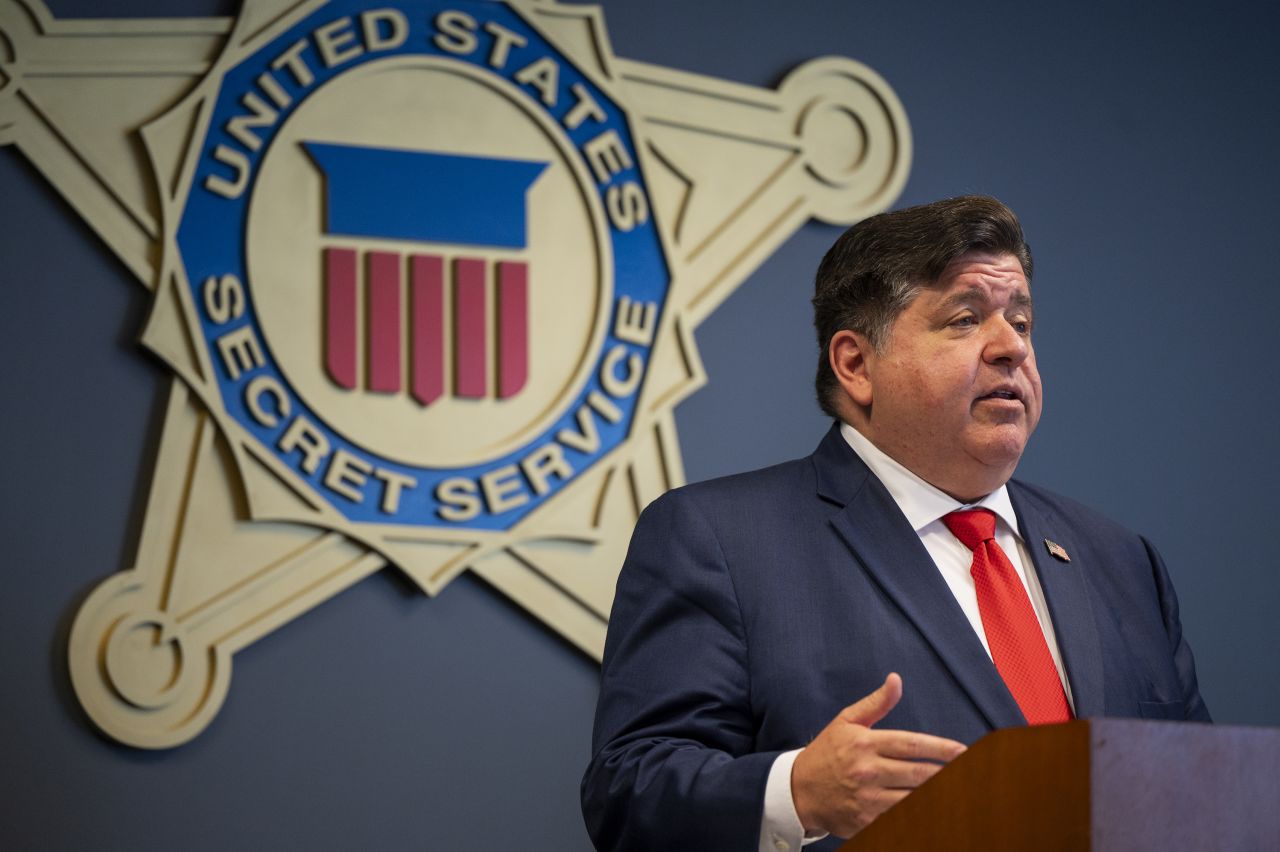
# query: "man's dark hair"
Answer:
x=877 y=267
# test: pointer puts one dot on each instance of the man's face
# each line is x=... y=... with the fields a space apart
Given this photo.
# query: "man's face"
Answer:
x=954 y=392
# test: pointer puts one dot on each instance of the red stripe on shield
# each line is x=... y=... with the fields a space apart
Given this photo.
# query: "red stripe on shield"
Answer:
x=384 y=321
x=470 y=355
x=341 y=312
x=513 y=328
x=426 y=280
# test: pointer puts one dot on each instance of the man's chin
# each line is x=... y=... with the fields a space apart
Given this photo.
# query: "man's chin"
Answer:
x=1000 y=450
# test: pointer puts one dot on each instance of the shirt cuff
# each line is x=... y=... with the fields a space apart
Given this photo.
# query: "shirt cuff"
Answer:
x=780 y=828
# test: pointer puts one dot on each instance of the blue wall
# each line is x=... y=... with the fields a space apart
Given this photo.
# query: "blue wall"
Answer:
x=1138 y=143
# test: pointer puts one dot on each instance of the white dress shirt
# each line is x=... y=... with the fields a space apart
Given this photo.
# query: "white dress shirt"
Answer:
x=924 y=507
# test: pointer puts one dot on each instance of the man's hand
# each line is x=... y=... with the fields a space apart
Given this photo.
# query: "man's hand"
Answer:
x=851 y=774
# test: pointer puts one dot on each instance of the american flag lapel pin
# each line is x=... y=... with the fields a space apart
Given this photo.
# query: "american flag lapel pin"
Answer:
x=1056 y=550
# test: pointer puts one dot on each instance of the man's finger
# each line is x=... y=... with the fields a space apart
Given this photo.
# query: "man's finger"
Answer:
x=905 y=774
x=877 y=705
x=888 y=798
x=909 y=745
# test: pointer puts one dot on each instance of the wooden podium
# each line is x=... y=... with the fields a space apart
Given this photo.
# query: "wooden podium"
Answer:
x=1105 y=785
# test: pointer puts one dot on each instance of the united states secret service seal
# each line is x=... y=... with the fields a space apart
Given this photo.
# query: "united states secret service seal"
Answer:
x=426 y=275
x=484 y=321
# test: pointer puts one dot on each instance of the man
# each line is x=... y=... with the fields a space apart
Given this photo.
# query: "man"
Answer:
x=899 y=562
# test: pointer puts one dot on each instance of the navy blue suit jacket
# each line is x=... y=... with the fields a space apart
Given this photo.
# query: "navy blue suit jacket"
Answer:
x=752 y=609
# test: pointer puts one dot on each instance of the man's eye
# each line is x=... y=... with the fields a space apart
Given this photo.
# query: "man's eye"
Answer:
x=965 y=321
x=1022 y=326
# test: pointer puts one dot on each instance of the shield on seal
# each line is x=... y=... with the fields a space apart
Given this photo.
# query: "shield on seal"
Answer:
x=465 y=314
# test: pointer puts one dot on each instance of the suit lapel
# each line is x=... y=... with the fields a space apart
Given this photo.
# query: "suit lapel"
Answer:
x=1067 y=595
x=874 y=528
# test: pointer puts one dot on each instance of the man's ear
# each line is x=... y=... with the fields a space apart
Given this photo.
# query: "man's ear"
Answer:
x=848 y=355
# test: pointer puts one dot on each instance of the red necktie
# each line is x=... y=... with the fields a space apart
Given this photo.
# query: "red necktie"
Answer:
x=1017 y=643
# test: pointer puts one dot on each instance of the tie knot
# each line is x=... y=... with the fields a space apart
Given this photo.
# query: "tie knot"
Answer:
x=972 y=527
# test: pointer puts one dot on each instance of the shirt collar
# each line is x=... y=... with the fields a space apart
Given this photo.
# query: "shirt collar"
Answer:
x=921 y=502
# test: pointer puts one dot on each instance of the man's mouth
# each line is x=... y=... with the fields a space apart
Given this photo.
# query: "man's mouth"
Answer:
x=1002 y=394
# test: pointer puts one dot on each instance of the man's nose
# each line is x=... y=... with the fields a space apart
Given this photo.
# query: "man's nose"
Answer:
x=1005 y=344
